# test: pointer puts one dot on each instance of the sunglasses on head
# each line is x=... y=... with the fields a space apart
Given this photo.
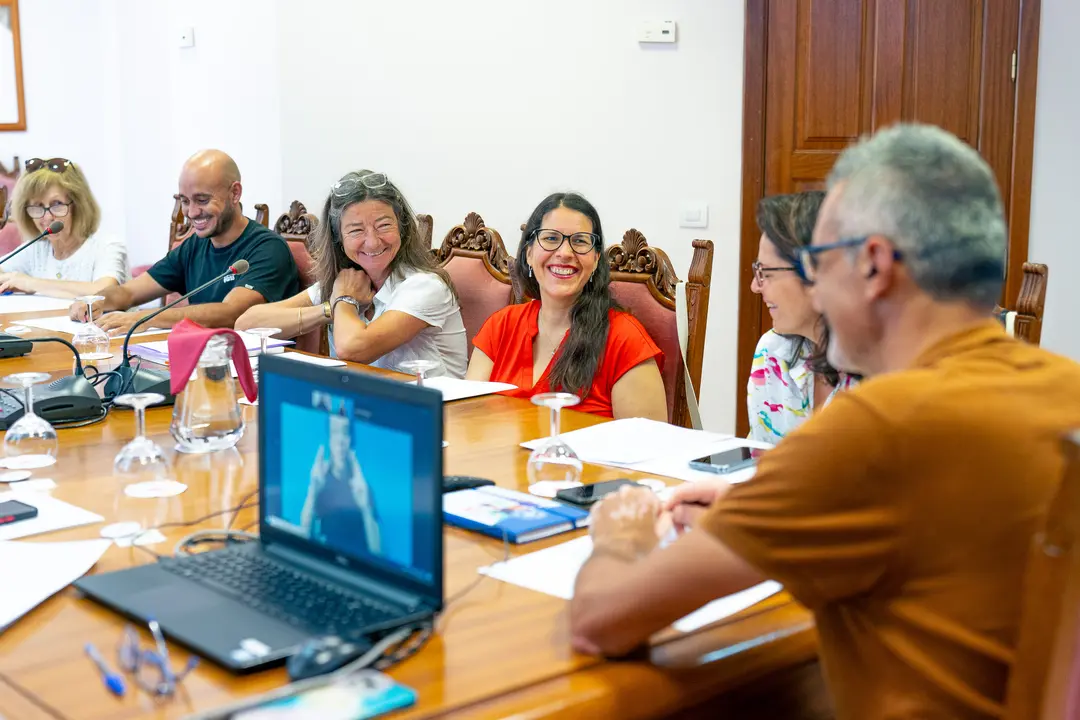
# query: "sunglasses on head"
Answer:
x=57 y=165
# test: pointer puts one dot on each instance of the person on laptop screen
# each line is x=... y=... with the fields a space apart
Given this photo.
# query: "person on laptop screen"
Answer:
x=339 y=510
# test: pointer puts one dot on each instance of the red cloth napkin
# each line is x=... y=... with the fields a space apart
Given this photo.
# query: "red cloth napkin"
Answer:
x=186 y=343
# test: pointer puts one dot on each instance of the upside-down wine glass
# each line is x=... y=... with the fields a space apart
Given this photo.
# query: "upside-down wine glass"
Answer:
x=419 y=368
x=553 y=460
x=264 y=335
x=142 y=463
x=91 y=342
x=31 y=441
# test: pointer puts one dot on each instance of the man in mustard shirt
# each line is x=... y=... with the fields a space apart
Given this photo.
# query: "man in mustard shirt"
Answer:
x=902 y=515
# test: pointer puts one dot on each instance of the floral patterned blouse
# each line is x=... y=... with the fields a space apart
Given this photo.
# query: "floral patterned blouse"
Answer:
x=780 y=394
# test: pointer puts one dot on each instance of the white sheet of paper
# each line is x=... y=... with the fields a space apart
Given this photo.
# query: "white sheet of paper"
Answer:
x=43 y=569
x=52 y=515
x=299 y=357
x=31 y=303
x=634 y=440
x=64 y=324
x=454 y=389
x=554 y=570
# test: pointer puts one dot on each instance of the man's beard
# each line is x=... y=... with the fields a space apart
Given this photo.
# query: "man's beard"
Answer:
x=224 y=222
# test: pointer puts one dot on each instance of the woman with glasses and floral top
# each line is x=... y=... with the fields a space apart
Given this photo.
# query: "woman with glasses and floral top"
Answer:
x=791 y=376
x=75 y=261
x=571 y=336
x=388 y=303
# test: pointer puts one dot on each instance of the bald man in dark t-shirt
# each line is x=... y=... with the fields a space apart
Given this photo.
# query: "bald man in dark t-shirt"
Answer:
x=210 y=191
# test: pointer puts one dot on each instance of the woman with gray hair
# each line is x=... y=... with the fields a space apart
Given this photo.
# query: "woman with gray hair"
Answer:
x=378 y=286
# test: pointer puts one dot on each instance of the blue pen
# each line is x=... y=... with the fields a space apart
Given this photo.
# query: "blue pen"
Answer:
x=113 y=681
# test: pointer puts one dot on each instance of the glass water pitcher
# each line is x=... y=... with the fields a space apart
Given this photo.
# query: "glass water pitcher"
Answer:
x=207 y=416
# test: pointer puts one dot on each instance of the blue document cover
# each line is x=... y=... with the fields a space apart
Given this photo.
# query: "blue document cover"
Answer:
x=522 y=517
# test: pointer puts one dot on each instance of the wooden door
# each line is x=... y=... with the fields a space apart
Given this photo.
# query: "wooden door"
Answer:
x=822 y=73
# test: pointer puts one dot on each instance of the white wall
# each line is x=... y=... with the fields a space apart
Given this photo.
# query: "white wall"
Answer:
x=482 y=106
x=1055 y=229
x=490 y=105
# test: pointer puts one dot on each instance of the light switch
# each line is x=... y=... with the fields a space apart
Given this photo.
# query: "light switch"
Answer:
x=187 y=37
x=657 y=31
x=694 y=215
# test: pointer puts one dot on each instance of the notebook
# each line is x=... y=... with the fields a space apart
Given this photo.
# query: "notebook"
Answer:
x=521 y=517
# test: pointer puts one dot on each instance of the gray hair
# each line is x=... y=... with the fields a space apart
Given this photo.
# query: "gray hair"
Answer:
x=936 y=199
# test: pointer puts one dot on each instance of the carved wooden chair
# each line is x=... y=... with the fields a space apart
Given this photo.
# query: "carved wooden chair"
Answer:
x=1045 y=677
x=10 y=237
x=295 y=227
x=1025 y=320
x=479 y=265
x=427 y=227
x=643 y=281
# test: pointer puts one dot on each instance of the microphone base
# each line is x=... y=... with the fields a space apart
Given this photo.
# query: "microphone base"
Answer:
x=140 y=381
x=68 y=399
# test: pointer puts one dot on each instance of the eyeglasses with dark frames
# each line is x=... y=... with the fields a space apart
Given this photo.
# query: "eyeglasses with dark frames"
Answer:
x=57 y=210
x=582 y=243
x=761 y=270
x=807 y=265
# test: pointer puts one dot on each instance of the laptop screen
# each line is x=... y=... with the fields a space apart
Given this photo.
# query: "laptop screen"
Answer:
x=352 y=470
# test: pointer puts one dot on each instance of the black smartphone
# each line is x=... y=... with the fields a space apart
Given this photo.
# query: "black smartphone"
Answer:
x=586 y=495
x=13 y=511
x=725 y=462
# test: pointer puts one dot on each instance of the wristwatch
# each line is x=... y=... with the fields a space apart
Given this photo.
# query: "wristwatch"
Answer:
x=327 y=311
x=349 y=299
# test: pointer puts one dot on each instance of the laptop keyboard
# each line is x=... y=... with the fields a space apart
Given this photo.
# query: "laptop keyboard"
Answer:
x=275 y=589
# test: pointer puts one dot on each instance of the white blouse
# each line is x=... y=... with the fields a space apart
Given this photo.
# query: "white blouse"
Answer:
x=100 y=256
x=426 y=297
x=780 y=393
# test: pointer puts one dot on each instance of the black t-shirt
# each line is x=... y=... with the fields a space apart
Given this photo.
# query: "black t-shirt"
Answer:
x=272 y=272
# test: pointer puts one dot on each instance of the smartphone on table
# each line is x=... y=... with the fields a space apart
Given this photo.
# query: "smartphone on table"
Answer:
x=727 y=461
x=12 y=511
x=587 y=495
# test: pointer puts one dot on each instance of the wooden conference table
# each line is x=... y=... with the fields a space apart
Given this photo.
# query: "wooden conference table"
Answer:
x=498 y=651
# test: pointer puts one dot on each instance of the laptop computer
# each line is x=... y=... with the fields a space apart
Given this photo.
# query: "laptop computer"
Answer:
x=350 y=525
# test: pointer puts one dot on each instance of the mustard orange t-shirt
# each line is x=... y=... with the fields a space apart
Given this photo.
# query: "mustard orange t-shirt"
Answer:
x=903 y=515
x=507 y=338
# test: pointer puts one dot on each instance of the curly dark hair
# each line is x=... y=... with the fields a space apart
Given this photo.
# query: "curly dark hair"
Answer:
x=788 y=221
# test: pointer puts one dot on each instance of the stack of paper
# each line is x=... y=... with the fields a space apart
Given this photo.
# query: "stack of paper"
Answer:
x=31 y=303
x=158 y=350
x=454 y=389
x=298 y=357
x=554 y=570
x=64 y=324
x=36 y=571
x=653 y=447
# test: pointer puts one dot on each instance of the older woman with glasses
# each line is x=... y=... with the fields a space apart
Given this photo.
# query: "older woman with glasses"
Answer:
x=74 y=261
x=791 y=376
x=379 y=288
x=571 y=336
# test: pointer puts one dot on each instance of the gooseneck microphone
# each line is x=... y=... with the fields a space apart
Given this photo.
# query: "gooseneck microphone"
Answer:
x=128 y=380
x=54 y=227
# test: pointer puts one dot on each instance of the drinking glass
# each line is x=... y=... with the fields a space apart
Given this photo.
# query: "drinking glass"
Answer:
x=31 y=441
x=419 y=368
x=264 y=335
x=553 y=460
x=142 y=464
x=90 y=341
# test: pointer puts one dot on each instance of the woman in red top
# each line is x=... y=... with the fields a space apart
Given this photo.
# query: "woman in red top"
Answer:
x=572 y=336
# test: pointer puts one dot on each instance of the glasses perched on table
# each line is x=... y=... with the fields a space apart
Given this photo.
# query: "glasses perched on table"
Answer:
x=151 y=667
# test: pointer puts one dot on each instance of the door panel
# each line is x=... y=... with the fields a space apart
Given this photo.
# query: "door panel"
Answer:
x=836 y=70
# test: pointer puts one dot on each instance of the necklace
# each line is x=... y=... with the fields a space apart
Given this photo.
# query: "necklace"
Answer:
x=540 y=330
